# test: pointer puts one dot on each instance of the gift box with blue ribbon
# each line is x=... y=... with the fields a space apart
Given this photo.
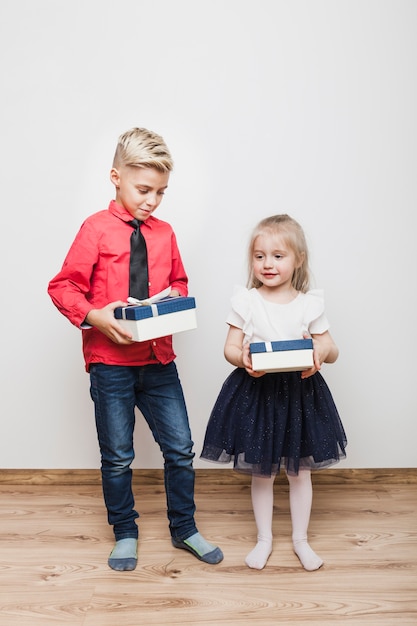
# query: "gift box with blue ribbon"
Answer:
x=282 y=356
x=166 y=317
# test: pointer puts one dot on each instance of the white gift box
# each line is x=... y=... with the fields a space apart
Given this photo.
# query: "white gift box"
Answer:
x=282 y=356
x=165 y=317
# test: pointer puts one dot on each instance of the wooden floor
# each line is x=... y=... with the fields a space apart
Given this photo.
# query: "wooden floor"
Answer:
x=55 y=542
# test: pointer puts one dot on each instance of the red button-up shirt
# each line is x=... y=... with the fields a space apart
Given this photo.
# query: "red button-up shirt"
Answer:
x=96 y=272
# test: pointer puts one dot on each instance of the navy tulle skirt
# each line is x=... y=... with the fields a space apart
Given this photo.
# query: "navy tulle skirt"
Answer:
x=276 y=420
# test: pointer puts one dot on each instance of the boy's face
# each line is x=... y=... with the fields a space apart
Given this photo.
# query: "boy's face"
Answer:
x=139 y=189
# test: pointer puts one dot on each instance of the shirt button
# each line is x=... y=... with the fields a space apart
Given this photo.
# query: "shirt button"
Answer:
x=154 y=343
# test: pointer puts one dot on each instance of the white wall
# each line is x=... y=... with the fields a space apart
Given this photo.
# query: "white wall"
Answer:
x=268 y=106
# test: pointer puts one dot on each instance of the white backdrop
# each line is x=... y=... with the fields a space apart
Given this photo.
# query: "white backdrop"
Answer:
x=268 y=106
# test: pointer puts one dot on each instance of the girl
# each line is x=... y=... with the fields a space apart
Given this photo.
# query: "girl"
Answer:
x=265 y=421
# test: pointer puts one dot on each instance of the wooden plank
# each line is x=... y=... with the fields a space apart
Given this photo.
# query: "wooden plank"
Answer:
x=405 y=476
x=55 y=542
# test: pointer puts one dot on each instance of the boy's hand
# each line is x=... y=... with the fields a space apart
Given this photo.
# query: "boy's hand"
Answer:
x=104 y=320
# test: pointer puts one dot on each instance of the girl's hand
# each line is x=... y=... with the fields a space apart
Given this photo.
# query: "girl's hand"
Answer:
x=104 y=320
x=247 y=362
x=324 y=351
x=236 y=354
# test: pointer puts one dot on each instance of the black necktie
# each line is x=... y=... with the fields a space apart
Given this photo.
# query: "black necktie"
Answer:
x=138 y=277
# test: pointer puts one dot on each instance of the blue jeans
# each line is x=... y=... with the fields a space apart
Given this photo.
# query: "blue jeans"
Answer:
x=157 y=392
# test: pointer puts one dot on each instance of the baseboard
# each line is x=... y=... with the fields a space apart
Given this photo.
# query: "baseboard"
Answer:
x=210 y=477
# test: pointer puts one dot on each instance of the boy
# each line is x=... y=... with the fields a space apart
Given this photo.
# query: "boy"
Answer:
x=94 y=280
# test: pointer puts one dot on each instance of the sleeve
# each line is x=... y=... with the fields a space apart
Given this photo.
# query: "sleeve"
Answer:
x=178 y=278
x=241 y=310
x=69 y=288
x=315 y=320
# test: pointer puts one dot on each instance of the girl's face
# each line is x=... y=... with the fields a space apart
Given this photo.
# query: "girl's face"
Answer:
x=274 y=261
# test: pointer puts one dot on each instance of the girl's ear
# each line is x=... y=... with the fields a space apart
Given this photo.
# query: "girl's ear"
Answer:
x=300 y=260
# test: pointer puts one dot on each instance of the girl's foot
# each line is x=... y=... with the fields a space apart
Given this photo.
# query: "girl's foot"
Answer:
x=308 y=558
x=258 y=557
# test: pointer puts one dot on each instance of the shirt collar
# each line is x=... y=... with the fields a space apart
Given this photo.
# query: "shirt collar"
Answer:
x=119 y=211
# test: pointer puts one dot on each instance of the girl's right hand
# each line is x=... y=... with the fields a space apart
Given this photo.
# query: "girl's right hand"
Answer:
x=247 y=362
x=237 y=352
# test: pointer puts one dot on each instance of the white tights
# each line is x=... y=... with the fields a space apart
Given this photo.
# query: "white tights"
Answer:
x=301 y=498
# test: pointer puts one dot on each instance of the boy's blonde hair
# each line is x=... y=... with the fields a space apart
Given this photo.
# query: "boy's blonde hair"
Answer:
x=140 y=147
x=294 y=237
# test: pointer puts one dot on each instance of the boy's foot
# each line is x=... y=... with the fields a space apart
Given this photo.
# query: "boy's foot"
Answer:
x=124 y=556
x=202 y=549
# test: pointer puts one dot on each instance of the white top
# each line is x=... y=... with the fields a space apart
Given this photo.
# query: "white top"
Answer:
x=262 y=320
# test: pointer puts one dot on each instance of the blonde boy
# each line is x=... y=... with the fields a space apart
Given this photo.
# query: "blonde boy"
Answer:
x=93 y=281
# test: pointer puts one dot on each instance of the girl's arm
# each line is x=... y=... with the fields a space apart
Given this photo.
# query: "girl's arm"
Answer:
x=324 y=351
x=238 y=354
x=233 y=348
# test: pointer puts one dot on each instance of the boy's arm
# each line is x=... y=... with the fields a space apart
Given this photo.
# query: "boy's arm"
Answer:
x=69 y=298
x=69 y=288
x=178 y=278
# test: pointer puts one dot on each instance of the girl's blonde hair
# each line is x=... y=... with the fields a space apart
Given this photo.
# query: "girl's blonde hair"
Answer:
x=293 y=235
x=140 y=147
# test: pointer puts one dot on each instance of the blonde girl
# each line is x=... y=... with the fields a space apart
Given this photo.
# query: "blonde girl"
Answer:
x=265 y=421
